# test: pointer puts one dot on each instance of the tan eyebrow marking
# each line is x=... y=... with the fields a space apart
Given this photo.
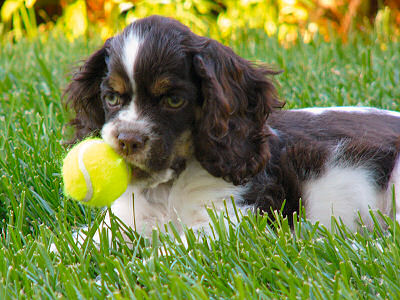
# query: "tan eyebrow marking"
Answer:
x=160 y=86
x=118 y=84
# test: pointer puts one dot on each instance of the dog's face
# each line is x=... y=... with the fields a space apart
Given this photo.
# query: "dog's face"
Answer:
x=149 y=97
x=161 y=95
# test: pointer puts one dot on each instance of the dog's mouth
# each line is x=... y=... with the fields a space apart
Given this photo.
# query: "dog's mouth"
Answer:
x=138 y=173
x=157 y=162
x=149 y=178
x=145 y=176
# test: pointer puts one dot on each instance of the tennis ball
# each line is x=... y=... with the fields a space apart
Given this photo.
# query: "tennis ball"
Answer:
x=94 y=173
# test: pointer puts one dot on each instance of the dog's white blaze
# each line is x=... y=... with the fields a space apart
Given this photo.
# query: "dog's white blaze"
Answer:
x=129 y=54
x=130 y=119
x=342 y=192
x=130 y=114
x=349 y=109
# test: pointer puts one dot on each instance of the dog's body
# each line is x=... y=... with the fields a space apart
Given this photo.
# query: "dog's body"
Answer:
x=197 y=124
x=339 y=161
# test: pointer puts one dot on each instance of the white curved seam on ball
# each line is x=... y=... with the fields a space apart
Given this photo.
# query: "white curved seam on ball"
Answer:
x=85 y=173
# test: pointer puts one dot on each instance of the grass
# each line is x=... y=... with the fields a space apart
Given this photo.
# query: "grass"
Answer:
x=254 y=259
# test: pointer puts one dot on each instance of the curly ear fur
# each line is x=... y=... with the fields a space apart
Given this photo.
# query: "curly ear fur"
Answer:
x=83 y=94
x=237 y=97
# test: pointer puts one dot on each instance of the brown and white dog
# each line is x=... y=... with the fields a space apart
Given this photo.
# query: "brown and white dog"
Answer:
x=198 y=124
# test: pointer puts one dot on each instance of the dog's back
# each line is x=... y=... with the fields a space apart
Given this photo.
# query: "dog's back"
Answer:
x=336 y=123
x=337 y=160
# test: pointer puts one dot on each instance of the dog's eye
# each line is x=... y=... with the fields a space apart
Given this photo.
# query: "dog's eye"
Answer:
x=113 y=100
x=173 y=102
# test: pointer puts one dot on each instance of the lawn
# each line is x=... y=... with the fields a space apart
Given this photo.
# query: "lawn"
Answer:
x=252 y=260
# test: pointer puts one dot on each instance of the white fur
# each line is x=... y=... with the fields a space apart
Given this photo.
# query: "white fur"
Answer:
x=107 y=134
x=131 y=118
x=349 y=109
x=341 y=192
x=130 y=50
x=183 y=202
x=130 y=113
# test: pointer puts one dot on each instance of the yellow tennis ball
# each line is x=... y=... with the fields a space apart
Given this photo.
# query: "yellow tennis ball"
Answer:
x=94 y=173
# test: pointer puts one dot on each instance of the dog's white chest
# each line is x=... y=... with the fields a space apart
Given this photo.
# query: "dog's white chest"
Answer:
x=182 y=202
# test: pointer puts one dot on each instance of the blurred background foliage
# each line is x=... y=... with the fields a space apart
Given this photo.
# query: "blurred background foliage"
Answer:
x=289 y=20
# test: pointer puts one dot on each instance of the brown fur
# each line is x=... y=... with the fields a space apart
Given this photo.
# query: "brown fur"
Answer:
x=231 y=134
x=118 y=84
x=160 y=86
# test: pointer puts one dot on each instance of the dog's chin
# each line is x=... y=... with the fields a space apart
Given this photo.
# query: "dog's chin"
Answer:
x=138 y=173
x=148 y=177
x=151 y=179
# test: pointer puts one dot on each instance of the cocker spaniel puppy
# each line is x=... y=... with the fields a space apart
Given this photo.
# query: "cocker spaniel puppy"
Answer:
x=198 y=124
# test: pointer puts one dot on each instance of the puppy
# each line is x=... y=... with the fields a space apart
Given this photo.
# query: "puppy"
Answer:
x=199 y=124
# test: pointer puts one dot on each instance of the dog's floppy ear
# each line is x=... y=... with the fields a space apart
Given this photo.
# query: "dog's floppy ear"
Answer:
x=236 y=98
x=83 y=94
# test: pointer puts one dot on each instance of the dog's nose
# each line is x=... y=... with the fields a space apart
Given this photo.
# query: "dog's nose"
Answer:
x=131 y=143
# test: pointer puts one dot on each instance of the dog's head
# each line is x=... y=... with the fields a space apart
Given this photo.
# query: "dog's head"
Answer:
x=161 y=95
